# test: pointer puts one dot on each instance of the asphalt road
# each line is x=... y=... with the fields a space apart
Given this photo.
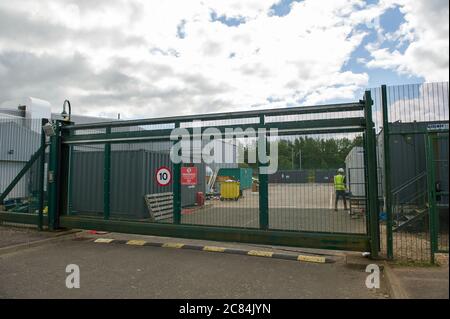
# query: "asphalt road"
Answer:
x=122 y=271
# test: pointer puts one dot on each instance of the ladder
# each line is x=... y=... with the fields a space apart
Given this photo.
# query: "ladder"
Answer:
x=212 y=180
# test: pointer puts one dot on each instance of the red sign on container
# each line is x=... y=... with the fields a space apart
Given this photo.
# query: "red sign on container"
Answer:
x=189 y=176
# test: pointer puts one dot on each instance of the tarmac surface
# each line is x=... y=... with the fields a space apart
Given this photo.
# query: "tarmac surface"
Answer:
x=420 y=282
x=124 y=271
x=302 y=207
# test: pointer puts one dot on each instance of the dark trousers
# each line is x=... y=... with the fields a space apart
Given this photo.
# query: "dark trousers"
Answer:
x=340 y=194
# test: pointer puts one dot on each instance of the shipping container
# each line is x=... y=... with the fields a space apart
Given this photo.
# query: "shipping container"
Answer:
x=303 y=176
x=289 y=177
x=408 y=158
x=324 y=175
x=132 y=177
x=243 y=175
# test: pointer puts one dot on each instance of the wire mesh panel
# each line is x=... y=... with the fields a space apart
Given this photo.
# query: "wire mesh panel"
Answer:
x=134 y=169
x=411 y=110
x=227 y=176
x=85 y=189
x=302 y=194
x=20 y=139
x=439 y=144
x=137 y=171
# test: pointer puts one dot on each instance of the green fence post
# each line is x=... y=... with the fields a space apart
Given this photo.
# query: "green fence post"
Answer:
x=431 y=197
x=372 y=183
x=107 y=178
x=387 y=175
x=64 y=177
x=263 y=184
x=177 y=189
x=41 y=180
x=53 y=178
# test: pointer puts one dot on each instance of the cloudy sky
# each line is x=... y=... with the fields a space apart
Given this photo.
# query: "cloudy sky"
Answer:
x=171 y=57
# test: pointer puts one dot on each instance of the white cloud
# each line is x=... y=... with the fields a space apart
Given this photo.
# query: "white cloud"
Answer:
x=114 y=56
x=426 y=34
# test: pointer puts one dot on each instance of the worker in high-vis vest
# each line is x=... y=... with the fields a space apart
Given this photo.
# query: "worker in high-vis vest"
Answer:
x=339 y=187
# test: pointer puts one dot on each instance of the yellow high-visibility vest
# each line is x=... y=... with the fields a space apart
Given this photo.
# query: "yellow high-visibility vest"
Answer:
x=339 y=184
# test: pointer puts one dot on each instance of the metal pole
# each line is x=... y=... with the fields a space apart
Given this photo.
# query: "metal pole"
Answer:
x=372 y=183
x=387 y=175
x=263 y=187
x=177 y=190
x=431 y=197
x=41 y=180
x=53 y=177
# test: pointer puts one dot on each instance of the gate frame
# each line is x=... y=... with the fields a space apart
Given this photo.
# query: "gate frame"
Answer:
x=430 y=137
x=432 y=216
x=59 y=182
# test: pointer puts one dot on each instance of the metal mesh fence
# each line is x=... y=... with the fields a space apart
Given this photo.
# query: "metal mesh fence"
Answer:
x=19 y=140
x=228 y=179
x=302 y=194
x=439 y=145
x=411 y=111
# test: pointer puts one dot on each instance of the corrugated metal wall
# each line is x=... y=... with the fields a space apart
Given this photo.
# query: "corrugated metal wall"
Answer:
x=408 y=155
x=18 y=142
x=132 y=177
x=244 y=175
x=355 y=174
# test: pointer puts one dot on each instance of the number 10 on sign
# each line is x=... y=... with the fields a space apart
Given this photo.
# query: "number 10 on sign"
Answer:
x=163 y=176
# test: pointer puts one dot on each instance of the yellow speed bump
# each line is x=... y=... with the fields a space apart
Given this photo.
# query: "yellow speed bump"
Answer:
x=311 y=259
x=260 y=253
x=214 y=249
x=103 y=240
x=173 y=245
x=136 y=242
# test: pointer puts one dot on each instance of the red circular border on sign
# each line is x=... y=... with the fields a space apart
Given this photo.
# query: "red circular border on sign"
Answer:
x=156 y=176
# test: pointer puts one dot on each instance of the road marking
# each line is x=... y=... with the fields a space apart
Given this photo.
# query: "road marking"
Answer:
x=136 y=242
x=214 y=249
x=257 y=253
x=260 y=253
x=103 y=240
x=311 y=259
x=173 y=245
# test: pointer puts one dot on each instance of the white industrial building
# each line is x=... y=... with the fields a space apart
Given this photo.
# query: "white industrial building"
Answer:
x=20 y=138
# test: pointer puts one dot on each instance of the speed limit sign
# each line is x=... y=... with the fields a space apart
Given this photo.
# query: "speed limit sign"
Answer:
x=163 y=176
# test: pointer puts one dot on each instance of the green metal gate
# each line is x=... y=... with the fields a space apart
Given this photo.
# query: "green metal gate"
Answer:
x=268 y=212
x=438 y=193
x=414 y=159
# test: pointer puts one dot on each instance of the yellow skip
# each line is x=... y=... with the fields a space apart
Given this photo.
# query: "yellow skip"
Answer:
x=172 y=245
x=214 y=248
x=136 y=242
x=103 y=240
x=311 y=259
x=260 y=253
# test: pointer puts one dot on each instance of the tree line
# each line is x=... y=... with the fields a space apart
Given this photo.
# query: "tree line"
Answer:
x=311 y=153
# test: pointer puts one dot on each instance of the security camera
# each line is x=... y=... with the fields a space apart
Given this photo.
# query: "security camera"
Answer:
x=49 y=130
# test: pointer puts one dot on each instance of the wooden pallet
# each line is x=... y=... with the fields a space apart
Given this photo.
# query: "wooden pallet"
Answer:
x=160 y=205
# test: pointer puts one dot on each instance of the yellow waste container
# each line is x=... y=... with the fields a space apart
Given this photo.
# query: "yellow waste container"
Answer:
x=229 y=190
